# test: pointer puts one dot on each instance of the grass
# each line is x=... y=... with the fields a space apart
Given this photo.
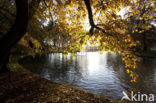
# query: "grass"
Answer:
x=22 y=86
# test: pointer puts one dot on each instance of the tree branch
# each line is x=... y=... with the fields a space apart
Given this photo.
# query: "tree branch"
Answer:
x=91 y=21
x=90 y=14
x=51 y=16
x=18 y=29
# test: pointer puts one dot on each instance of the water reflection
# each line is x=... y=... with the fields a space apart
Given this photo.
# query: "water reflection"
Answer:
x=102 y=74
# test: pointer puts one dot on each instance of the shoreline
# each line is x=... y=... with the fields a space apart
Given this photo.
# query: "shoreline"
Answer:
x=22 y=86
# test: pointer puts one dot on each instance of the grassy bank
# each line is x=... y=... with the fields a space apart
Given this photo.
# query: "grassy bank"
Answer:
x=22 y=86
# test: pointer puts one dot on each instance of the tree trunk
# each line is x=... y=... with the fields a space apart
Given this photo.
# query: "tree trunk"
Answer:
x=144 y=42
x=16 y=32
x=54 y=42
x=5 y=61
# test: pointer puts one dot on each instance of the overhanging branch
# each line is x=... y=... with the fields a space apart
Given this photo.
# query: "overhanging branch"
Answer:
x=91 y=21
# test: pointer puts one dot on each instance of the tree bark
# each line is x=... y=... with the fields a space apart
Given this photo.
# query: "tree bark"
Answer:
x=23 y=14
x=4 y=65
x=91 y=20
x=16 y=32
x=144 y=42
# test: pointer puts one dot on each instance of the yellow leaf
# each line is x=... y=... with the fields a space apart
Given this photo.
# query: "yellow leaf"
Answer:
x=136 y=30
x=141 y=18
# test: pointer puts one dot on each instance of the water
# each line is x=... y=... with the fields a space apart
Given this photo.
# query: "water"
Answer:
x=101 y=74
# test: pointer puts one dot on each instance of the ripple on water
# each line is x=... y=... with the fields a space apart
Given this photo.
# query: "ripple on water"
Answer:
x=101 y=74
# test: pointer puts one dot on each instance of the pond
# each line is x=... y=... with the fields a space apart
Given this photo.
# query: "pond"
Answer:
x=102 y=74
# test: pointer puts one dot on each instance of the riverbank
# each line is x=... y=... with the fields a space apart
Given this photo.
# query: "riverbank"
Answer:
x=22 y=86
x=150 y=54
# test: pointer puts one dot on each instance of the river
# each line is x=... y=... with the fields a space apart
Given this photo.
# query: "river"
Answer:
x=102 y=74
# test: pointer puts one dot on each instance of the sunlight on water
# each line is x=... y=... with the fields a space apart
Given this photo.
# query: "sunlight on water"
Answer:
x=102 y=74
x=94 y=62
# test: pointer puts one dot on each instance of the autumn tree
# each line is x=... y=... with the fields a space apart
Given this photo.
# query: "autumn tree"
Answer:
x=17 y=30
x=140 y=17
x=78 y=23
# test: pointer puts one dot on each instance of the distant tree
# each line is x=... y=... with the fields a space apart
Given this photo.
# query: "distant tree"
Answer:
x=141 y=18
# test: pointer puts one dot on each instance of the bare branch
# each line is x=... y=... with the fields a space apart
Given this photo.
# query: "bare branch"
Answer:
x=91 y=21
x=90 y=14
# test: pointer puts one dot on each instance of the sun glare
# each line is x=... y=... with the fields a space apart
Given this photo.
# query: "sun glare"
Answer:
x=122 y=12
x=86 y=25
